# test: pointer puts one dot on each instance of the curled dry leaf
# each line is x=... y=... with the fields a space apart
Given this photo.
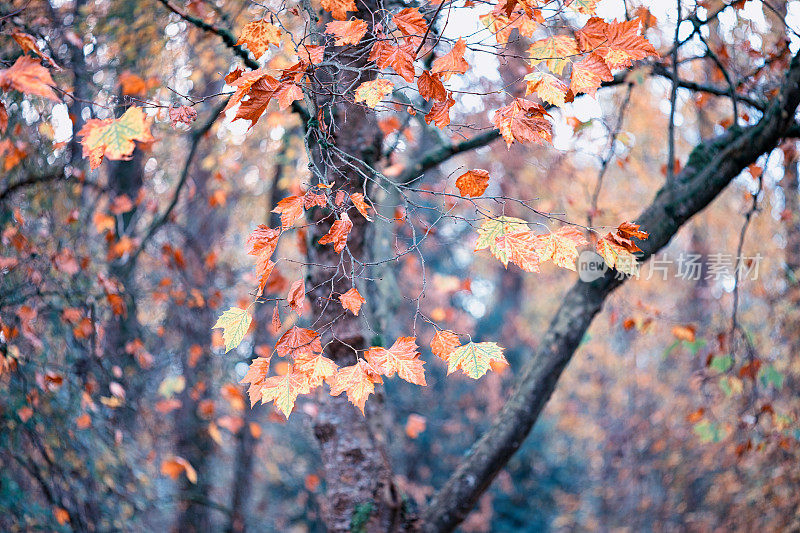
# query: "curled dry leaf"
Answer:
x=352 y=300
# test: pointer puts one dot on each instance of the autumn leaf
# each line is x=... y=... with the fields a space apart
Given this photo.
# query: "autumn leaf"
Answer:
x=399 y=58
x=298 y=341
x=338 y=233
x=258 y=35
x=589 y=74
x=473 y=182
x=372 y=92
x=547 y=87
x=452 y=62
x=315 y=366
x=114 y=138
x=618 y=43
x=352 y=300
x=255 y=376
x=410 y=21
x=182 y=115
x=584 y=7
x=440 y=112
x=475 y=358
x=402 y=358
x=28 y=44
x=297 y=296
x=616 y=255
x=290 y=209
x=284 y=390
x=28 y=76
x=630 y=230
x=561 y=246
x=556 y=52
x=443 y=343
x=523 y=121
x=358 y=201
x=175 y=466
x=358 y=381
x=493 y=228
x=350 y=32
x=234 y=323
x=519 y=248
x=339 y=8
x=431 y=87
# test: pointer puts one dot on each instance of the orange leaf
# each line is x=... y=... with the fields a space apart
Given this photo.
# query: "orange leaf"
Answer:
x=297 y=341
x=297 y=296
x=284 y=390
x=372 y=92
x=28 y=76
x=588 y=74
x=630 y=230
x=415 y=425
x=473 y=182
x=358 y=201
x=443 y=343
x=547 y=87
x=399 y=58
x=523 y=121
x=618 y=43
x=519 y=248
x=290 y=209
x=431 y=87
x=440 y=112
x=339 y=8
x=452 y=62
x=358 y=381
x=556 y=52
x=338 y=233
x=350 y=32
x=316 y=367
x=561 y=246
x=275 y=325
x=175 y=466
x=258 y=35
x=402 y=358
x=114 y=138
x=352 y=300
x=410 y=21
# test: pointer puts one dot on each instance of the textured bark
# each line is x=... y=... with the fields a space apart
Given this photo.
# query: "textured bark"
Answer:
x=357 y=473
x=711 y=166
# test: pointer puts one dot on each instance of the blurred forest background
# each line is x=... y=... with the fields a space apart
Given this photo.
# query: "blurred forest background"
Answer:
x=120 y=411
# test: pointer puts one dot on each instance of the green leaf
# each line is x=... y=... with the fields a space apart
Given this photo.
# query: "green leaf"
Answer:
x=721 y=363
x=492 y=228
x=234 y=323
x=474 y=358
x=769 y=376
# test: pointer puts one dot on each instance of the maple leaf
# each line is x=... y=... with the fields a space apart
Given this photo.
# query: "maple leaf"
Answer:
x=618 y=43
x=338 y=233
x=28 y=76
x=410 y=21
x=584 y=7
x=519 y=248
x=431 y=87
x=399 y=58
x=443 y=343
x=258 y=35
x=312 y=53
x=547 y=87
x=372 y=92
x=28 y=44
x=589 y=74
x=473 y=182
x=288 y=93
x=339 y=8
x=501 y=26
x=358 y=381
x=315 y=366
x=556 y=52
x=255 y=376
x=234 y=323
x=296 y=296
x=440 y=112
x=298 y=341
x=284 y=390
x=630 y=230
x=561 y=246
x=493 y=228
x=616 y=254
x=452 y=62
x=350 y=32
x=475 y=358
x=523 y=121
x=358 y=201
x=352 y=300
x=114 y=138
x=290 y=209
x=402 y=358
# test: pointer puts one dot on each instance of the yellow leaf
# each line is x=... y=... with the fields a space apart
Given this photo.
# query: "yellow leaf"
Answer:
x=475 y=358
x=372 y=92
x=234 y=323
x=113 y=138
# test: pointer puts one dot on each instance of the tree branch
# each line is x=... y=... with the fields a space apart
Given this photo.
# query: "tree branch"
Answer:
x=711 y=167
